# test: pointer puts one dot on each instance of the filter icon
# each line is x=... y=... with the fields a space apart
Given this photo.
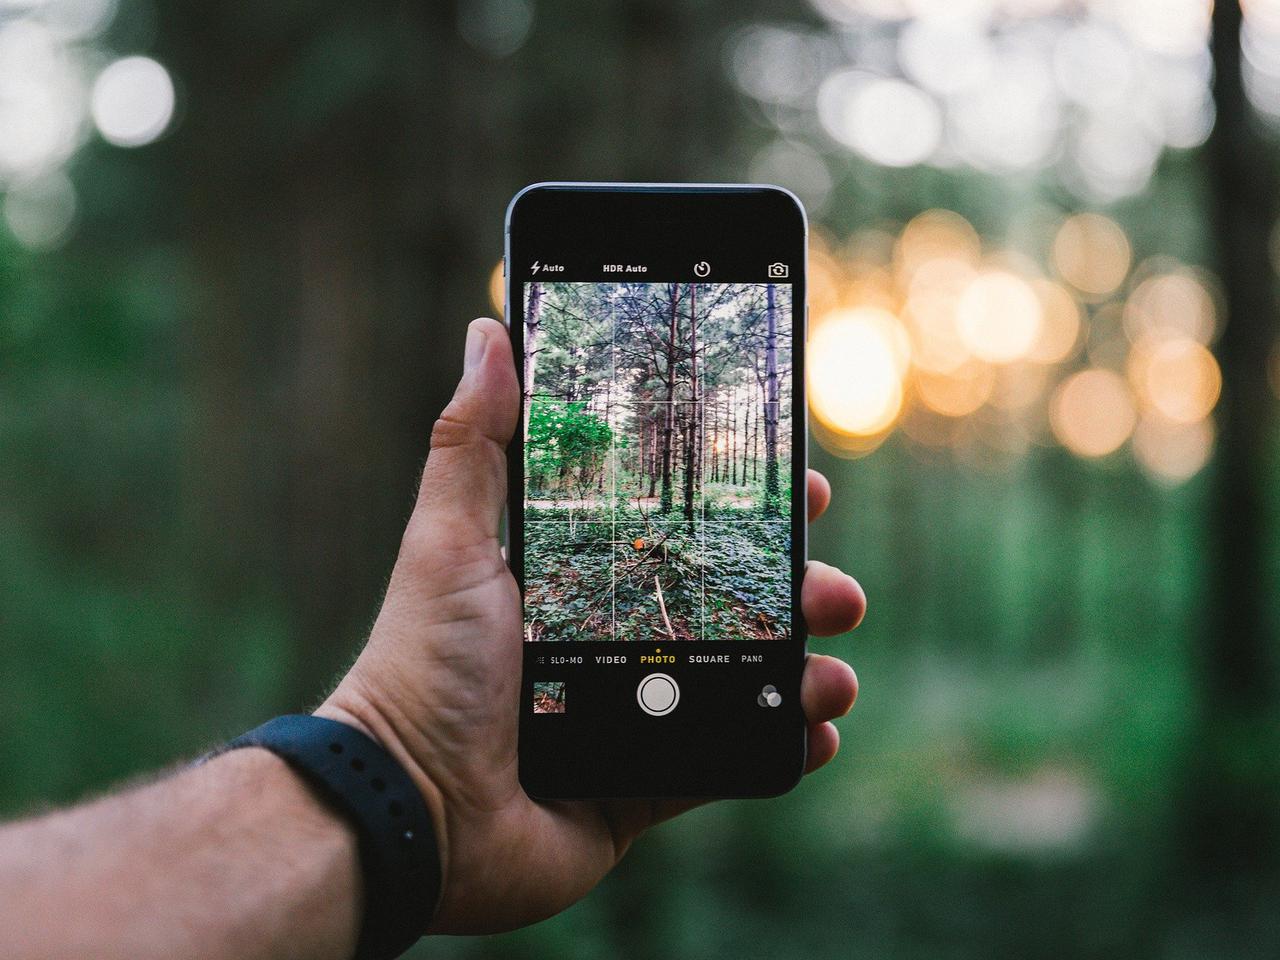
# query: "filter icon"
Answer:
x=769 y=696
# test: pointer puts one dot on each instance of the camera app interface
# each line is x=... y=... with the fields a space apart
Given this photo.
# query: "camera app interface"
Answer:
x=658 y=451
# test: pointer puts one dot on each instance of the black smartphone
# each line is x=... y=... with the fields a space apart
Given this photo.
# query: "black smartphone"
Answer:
x=656 y=523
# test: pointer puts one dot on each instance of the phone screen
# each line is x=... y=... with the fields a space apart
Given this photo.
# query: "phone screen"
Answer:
x=660 y=451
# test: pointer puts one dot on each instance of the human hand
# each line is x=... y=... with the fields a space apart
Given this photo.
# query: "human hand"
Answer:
x=438 y=683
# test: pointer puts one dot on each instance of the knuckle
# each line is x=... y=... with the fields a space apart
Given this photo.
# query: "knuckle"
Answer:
x=442 y=553
x=451 y=430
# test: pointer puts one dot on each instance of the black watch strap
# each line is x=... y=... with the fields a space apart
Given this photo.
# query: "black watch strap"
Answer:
x=399 y=858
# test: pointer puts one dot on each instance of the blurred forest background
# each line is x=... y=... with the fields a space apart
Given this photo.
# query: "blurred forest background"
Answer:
x=240 y=244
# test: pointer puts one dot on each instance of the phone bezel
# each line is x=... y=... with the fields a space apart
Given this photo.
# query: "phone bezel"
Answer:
x=733 y=780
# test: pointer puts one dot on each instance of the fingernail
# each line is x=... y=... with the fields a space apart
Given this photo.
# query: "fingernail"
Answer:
x=474 y=352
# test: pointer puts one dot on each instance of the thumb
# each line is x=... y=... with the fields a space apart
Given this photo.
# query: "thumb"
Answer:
x=464 y=485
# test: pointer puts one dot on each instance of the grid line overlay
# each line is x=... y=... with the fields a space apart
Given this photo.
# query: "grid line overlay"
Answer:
x=613 y=486
x=641 y=415
x=700 y=404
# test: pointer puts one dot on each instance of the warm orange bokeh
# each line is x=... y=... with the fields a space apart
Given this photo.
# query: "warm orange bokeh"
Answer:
x=978 y=351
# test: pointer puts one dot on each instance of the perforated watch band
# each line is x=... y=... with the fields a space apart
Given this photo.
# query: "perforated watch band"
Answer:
x=399 y=857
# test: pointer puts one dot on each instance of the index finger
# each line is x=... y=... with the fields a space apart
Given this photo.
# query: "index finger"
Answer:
x=819 y=495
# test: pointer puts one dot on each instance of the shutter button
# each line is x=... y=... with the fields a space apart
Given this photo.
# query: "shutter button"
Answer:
x=658 y=694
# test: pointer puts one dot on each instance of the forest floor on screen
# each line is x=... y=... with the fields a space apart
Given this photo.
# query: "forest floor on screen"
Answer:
x=657 y=461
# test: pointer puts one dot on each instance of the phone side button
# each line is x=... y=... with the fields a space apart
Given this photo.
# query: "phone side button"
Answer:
x=658 y=694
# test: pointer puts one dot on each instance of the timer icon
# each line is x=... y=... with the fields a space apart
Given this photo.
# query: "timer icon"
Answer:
x=702 y=268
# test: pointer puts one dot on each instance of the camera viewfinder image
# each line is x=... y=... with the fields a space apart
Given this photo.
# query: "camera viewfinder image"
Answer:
x=548 y=696
x=658 y=422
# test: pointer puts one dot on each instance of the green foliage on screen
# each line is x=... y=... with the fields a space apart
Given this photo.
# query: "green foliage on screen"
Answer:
x=567 y=446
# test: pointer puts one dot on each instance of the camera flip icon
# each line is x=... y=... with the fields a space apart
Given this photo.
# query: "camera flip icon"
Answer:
x=779 y=271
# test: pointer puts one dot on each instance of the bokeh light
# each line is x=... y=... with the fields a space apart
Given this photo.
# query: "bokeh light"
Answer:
x=856 y=360
x=1171 y=27
x=958 y=393
x=931 y=309
x=1171 y=301
x=1093 y=93
x=1092 y=253
x=1060 y=325
x=1012 y=122
x=1178 y=378
x=1092 y=65
x=498 y=289
x=496 y=27
x=39 y=212
x=974 y=350
x=1066 y=337
x=1092 y=413
x=945 y=55
x=934 y=235
x=78 y=19
x=51 y=96
x=41 y=100
x=774 y=64
x=132 y=101
x=999 y=316
x=888 y=121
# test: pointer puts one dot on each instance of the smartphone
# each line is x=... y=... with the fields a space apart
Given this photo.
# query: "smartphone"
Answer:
x=656 y=522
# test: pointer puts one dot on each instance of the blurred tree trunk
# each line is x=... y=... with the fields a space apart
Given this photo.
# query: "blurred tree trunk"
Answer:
x=1233 y=804
x=338 y=251
x=695 y=408
x=668 y=425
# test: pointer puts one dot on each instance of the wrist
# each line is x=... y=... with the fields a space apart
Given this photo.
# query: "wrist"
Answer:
x=399 y=852
x=319 y=903
x=359 y=713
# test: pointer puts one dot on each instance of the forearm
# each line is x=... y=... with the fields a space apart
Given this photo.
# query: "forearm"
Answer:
x=233 y=859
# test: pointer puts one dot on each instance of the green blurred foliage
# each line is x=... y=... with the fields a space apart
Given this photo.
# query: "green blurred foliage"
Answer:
x=215 y=398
